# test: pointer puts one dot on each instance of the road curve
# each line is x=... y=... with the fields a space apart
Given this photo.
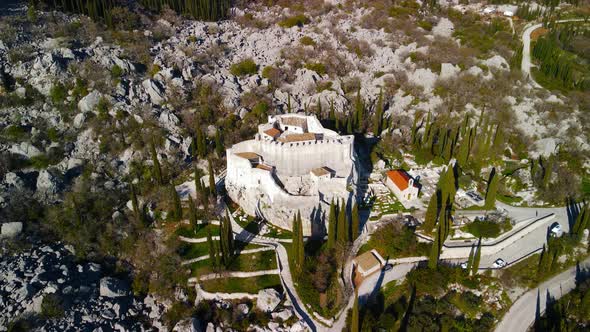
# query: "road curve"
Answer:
x=522 y=313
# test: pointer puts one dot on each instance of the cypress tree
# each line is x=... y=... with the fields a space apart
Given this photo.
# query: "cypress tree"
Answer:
x=355 y=321
x=300 y=244
x=578 y=226
x=359 y=112
x=212 y=188
x=176 y=205
x=135 y=204
x=355 y=224
x=341 y=229
x=332 y=225
x=492 y=189
x=349 y=126
x=192 y=212
x=434 y=253
x=476 y=259
x=219 y=148
x=212 y=250
x=156 y=164
x=547 y=169
x=198 y=186
x=470 y=259
x=431 y=212
x=295 y=242
x=200 y=141
x=332 y=111
x=378 y=115
x=226 y=240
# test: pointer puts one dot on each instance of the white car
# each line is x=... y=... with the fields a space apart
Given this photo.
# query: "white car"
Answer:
x=464 y=265
x=499 y=263
x=556 y=230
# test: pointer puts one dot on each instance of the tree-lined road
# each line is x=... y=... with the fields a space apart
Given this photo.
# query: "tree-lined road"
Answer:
x=526 y=49
x=523 y=312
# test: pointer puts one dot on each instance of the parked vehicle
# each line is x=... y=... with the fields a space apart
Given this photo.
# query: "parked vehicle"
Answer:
x=556 y=230
x=464 y=265
x=499 y=263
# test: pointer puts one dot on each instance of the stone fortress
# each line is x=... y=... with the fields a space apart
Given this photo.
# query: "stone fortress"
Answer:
x=292 y=164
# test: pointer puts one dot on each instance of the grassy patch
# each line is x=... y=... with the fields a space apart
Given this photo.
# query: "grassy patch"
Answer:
x=255 y=226
x=244 y=68
x=396 y=241
x=523 y=273
x=387 y=204
x=306 y=40
x=297 y=20
x=508 y=199
x=318 y=67
x=243 y=285
x=197 y=232
x=486 y=228
x=264 y=260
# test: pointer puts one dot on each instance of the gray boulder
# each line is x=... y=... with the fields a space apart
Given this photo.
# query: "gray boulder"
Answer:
x=26 y=149
x=89 y=102
x=49 y=182
x=268 y=300
x=11 y=229
x=154 y=90
x=112 y=287
x=188 y=325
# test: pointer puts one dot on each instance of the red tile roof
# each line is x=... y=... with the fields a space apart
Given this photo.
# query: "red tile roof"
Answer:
x=273 y=132
x=399 y=178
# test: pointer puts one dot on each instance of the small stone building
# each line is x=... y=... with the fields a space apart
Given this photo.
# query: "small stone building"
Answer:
x=403 y=186
x=368 y=263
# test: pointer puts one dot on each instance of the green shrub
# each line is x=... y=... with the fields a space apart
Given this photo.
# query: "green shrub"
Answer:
x=14 y=133
x=260 y=111
x=244 y=68
x=297 y=20
x=268 y=71
x=425 y=25
x=318 y=67
x=58 y=93
x=483 y=228
x=53 y=135
x=51 y=306
x=306 y=40
x=154 y=70
x=40 y=162
x=324 y=85
x=116 y=72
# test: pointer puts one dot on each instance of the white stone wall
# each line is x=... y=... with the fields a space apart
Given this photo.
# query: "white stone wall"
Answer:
x=256 y=190
x=299 y=158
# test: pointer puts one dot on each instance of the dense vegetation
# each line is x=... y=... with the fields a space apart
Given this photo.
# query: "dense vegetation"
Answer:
x=423 y=303
x=564 y=55
x=105 y=10
x=569 y=313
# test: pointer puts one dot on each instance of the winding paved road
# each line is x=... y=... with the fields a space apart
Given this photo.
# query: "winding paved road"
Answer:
x=523 y=312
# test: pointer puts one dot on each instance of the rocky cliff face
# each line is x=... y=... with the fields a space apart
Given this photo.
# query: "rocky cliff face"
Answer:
x=48 y=281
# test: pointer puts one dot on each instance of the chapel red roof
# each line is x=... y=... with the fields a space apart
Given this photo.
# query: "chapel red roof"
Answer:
x=399 y=178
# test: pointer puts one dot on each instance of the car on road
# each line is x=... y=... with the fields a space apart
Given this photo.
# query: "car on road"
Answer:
x=556 y=230
x=387 y=267
x=499 y=263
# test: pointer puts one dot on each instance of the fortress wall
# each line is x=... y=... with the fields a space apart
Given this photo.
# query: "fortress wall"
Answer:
x=315 y=126
x=298 y=158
